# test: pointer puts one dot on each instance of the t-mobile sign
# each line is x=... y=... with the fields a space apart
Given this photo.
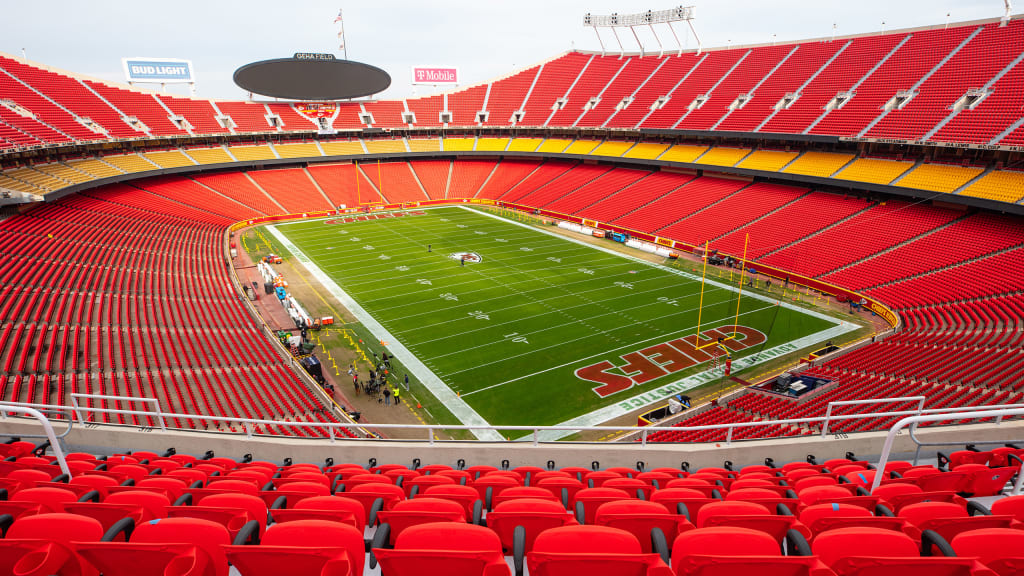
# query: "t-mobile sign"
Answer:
x=434 y=75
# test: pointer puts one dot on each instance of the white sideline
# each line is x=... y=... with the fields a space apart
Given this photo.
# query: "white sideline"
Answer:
x=456 y=405
x=627 y=405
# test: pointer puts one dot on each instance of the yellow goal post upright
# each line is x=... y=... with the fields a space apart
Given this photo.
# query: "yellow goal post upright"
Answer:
x=739 y=296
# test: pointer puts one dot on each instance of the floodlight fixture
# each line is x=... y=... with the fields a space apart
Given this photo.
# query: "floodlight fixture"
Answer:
x=649 y=18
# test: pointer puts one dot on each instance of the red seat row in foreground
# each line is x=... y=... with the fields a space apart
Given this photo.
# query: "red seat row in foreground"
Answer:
x=145 y=513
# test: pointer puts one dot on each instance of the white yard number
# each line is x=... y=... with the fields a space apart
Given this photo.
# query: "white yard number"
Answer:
x=443 y=219
x=526 y=249
x=585 y=271
x=450 y=297
x=402 y=268
x=384 y=257
x=367 y=247
x=515 y=337
x=667 y=300
x=625 y=285
x=461 y=226
x=423 y=281
x=342 y=231
x=480 y=232
x=479 y=315
x=554 y=259
x=353 y=239
x=500 y=240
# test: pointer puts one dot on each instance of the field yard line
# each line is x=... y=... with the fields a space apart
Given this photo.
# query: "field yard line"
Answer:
x=687 y=275
x=595 y=332
x=631 y=345
x=627 y=405
x=459 y=319
x=437 y=387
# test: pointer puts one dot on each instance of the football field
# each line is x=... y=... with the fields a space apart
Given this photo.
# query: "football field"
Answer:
x=535 y=328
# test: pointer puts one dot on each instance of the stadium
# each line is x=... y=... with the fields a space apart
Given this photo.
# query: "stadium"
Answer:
x=673 y=310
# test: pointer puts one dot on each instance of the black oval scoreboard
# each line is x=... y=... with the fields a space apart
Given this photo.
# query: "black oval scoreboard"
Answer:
x=312 y=76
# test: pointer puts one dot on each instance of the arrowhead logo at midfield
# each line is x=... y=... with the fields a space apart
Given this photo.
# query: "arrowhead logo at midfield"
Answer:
x=471 y=257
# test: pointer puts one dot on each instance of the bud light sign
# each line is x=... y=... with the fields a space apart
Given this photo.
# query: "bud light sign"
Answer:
x=435 y=75
x=157 y=70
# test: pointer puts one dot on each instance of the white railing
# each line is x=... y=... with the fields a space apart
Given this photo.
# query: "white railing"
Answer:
x=79 y=409
x=58 y=452
x=249 y=424
x=997 y=412
x=828 y=412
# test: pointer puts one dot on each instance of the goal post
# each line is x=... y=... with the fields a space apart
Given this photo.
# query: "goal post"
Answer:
x=739 y=296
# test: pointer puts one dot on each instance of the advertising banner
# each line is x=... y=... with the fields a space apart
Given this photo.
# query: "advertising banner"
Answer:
x=435 y=75
x=158 y=70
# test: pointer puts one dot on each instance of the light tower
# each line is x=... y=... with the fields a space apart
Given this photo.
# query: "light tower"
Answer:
x=649 y=19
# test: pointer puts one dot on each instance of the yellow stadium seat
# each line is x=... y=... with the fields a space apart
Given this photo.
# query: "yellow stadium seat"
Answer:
x=770 y=160
x=253 y=152
x=130 y=163
x=424 y=144
x=553 y=145
x=344 y=148
x=525 y=144
x=719 y=156
x=169 y=159
x=97 y=168
x=389 y=146
x=582 y=147
x=939 y=177
x=683 y=153
x=21 y=186
x=216 y=155
x=459 y=144
x=40 y=180
x=874 y=170
x=1002 y=185
x=609 y=148
x=646 y=151
x=823 y=164
x=492 y=144
x=303 y=150
x=65 y=172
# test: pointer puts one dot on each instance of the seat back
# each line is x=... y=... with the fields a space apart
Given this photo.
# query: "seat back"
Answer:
x=592 y=550
x=639 y=518
x=534 y=515
x=444 y=549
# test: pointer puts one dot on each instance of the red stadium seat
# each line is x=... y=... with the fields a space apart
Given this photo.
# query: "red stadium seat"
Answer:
x=1000 y=549
x=40 y=545
x=864 y=551
x=444 y=549
x=167 y=547
x=302 y=547
x=712 y=551
x=639 y=518
x=420 y=511
x=591 y=550
x=533 y=515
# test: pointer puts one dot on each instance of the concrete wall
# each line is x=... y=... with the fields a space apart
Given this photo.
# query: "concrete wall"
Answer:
x=102 y=439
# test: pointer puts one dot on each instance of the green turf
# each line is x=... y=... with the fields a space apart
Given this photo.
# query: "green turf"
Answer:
x=572 y=304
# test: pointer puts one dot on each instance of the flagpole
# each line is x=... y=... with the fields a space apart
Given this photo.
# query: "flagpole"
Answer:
x=341 y=34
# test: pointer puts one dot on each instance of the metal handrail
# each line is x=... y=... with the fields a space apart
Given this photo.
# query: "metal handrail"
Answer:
x=249 y=423
x=46 y=409
x=977 y=412
x=47 y=428
x=154 y=401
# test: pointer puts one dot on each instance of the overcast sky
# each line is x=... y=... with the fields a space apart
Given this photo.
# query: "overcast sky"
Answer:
x=484 y=38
